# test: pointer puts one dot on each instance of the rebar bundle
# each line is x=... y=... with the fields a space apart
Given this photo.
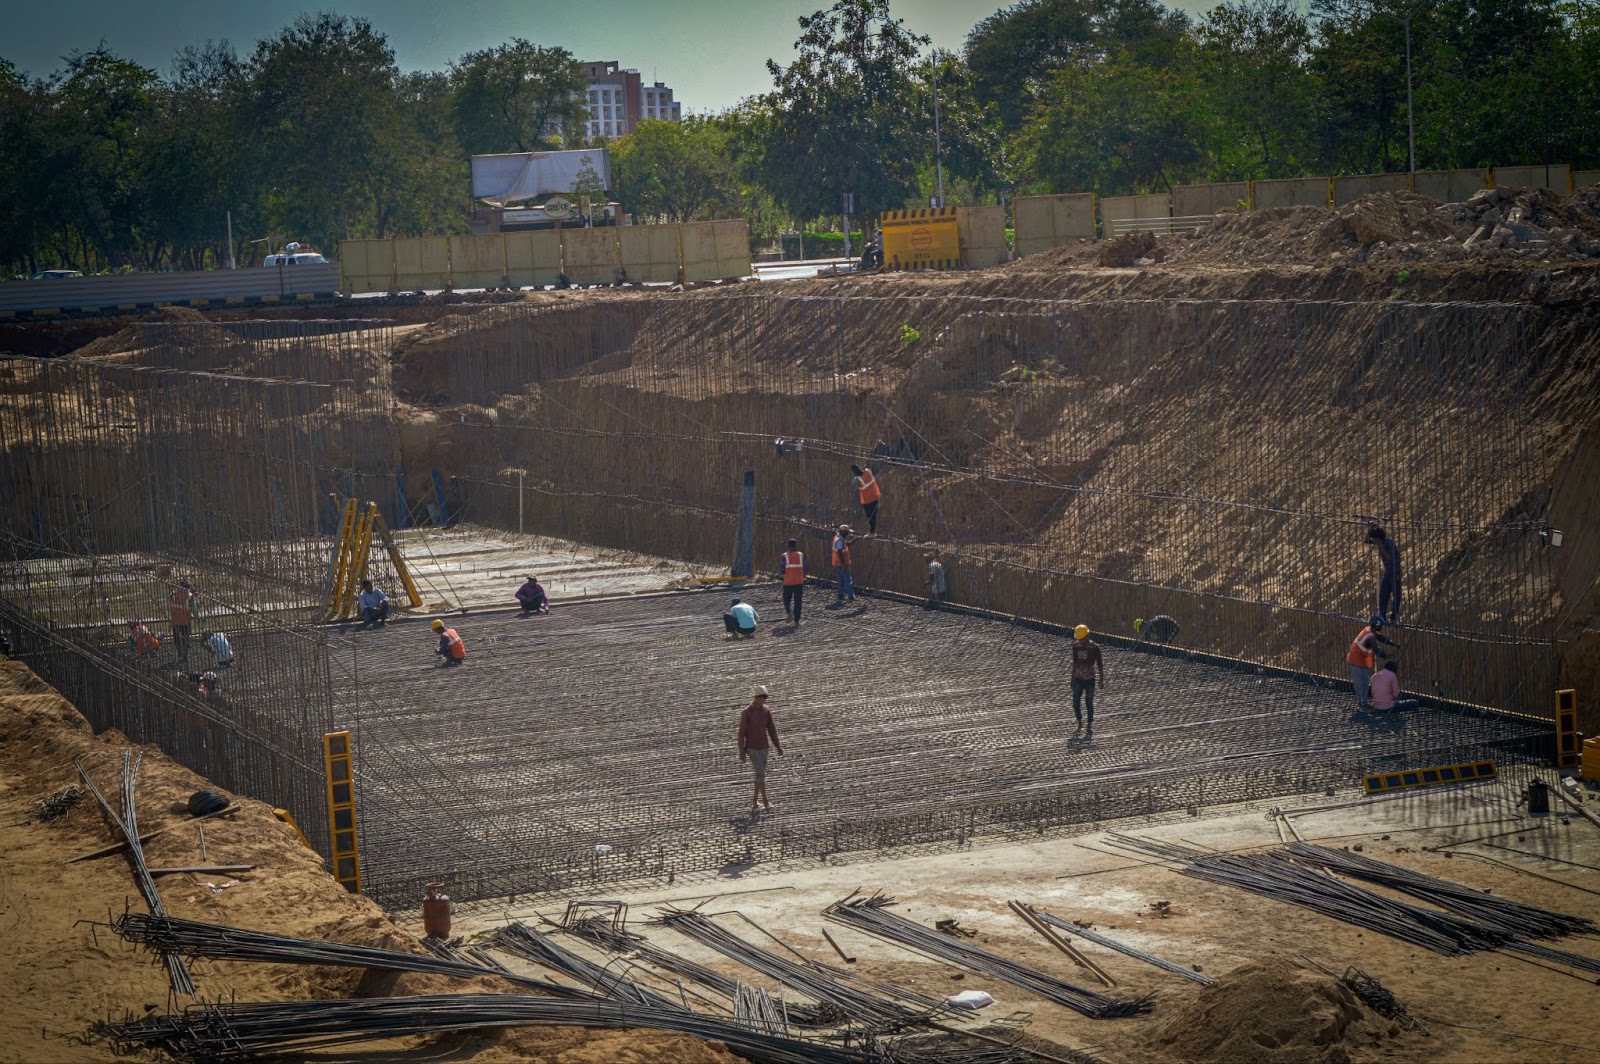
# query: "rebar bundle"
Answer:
x=242 y=1030
x=871 y=916
x=1509 y=917
x=524 y=942
x=814 y=980
x=191 y=938
x=1078 y=929
x=600 y=932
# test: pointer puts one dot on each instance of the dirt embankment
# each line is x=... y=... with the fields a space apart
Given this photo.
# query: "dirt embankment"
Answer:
x=62 y=974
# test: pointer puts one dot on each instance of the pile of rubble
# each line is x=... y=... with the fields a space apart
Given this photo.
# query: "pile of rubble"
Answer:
x=1403 y=227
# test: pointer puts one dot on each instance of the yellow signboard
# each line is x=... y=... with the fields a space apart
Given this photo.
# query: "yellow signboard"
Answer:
x=924 y=239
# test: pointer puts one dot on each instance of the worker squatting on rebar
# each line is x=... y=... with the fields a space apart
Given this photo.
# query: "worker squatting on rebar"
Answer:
x=1086 y=662
x=792 y=570
x=1389 y=581
x=869 y=492
x=741 y=619
x=1364 y=649
x=531 y=596
x=845 y=588
x=756 y=726
x=374 y=606
x=451 y=647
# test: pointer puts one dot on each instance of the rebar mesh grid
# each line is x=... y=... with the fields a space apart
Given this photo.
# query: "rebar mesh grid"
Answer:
x=1216 y=460
x=596 y=744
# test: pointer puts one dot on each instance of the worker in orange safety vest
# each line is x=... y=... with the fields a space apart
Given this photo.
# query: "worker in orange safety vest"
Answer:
x=869 y=492
x=451 y=648
x=792 y=567
x=180 y=611
x=845 y=586
x=1362 y=655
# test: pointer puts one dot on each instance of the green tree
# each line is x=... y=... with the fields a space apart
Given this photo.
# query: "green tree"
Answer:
x=518 y=97
x=424 y=181
x=1252 y=61
x=676 y=171
x=844 y=115
x=1012 y=53
x=324 y=108
x=24 y=185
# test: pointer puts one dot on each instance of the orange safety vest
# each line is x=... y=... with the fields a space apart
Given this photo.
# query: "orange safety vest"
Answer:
x=453 y=643
x=1359 y=654
x=145 y=641
x=794 y=568
x=870 y=492
x=841 y=553
x=178 y=609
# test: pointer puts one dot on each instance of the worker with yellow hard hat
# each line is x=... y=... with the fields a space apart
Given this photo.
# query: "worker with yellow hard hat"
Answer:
x=451 y=647
x=1087 y=661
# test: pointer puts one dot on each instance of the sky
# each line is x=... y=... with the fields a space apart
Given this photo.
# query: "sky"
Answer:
x=712 y=53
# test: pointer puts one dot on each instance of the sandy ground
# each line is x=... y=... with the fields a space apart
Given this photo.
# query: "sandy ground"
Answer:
x=1270 y=1004
x=61 y=973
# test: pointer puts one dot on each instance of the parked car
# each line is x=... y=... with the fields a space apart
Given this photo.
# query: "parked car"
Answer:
x=55 y=275
x=295 y=254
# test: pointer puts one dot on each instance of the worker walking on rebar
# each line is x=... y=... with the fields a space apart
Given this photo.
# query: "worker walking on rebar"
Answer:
x=374 y=605
x=741 y=619
x=1087 y=662
x=845 y=586
x=1389 y=582
x=937 y=587
x=531 y=596
x=792 y=568
x=180 y=611
x=869 y=492
x=1364 y=650
x=756 y=727
x=451 y=647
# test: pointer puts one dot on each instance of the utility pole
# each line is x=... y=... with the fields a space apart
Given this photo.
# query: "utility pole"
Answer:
x=938 y=162
x=1411 y=126
x=230 y=240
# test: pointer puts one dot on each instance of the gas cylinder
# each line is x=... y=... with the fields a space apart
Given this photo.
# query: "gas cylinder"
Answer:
x=436 y=910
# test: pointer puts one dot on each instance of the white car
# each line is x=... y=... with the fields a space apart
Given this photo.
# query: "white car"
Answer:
x=55 y=275
x=295 y=258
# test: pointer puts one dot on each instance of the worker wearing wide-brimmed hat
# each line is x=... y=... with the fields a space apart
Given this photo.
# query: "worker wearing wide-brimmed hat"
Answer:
x=1086 y=662
x=755 y=728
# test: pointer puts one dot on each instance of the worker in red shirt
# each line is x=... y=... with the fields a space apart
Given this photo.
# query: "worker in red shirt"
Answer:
x=180 y=611
x=755 y=728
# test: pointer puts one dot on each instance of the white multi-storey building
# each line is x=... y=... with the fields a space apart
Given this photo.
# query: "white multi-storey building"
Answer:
x=619 y=100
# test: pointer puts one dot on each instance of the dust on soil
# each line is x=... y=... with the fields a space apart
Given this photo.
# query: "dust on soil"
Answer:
x=1272 y=1011
x=63 y=974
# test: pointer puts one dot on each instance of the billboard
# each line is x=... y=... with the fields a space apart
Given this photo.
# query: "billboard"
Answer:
x=519 y=176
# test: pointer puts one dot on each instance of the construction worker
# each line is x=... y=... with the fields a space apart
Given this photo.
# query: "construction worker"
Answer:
x=1385 y=689
x=142 y=642
x=1086 y=662
x=1389 y=582
x=756 y=727
x=845 y=586
x=937 y=588
x=869 y=492
x=741 y=619
x=451 y=648
x=221 y=649
x=180 y=611
x=374 y=605
x=1360 y=657
x=531 y=596
x=1158 y=629
x=792 y=568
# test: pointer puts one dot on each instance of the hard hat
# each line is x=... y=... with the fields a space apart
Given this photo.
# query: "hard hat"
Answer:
x=759 y=691
x=1375 y=621
x=1138 y=624
x=437 y=625
x=1082 y=631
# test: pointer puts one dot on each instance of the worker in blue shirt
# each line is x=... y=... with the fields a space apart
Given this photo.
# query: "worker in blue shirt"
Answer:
x=741 y=620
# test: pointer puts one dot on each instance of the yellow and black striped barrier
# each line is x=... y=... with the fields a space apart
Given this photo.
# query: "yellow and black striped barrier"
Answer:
x=1467 y=771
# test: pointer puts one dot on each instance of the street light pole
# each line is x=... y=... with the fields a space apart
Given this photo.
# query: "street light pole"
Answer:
x=1411 y=127
x=938 y=162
